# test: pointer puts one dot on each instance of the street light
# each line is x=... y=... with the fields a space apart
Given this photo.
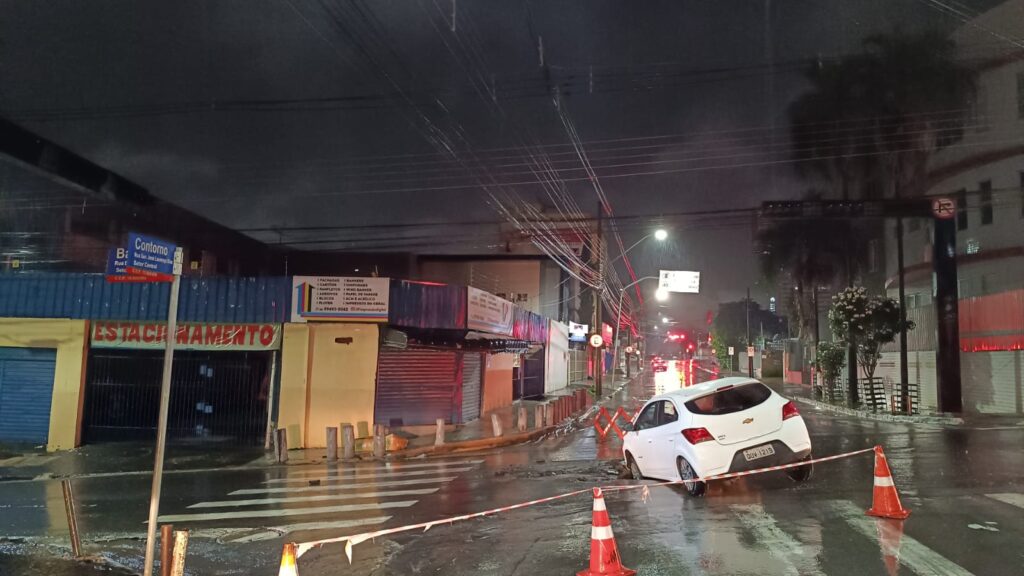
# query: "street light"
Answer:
x=660 y=235
x=618 y=319
x=664 y=320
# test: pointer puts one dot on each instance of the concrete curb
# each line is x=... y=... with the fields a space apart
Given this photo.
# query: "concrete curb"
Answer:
x=945 y=420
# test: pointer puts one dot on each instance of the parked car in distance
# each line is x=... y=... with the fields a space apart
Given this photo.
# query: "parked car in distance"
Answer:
x=720 y=426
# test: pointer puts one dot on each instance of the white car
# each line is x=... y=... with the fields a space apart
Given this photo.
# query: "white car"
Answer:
x=719 y=426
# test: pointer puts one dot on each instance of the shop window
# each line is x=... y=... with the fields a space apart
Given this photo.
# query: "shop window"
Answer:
x=986 y=202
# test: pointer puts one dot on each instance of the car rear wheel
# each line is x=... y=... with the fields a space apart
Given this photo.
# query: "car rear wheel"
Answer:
x=634 y=469
x=801 y=473
x=686 y=472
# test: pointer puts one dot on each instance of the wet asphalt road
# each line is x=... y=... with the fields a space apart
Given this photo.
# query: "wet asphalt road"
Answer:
x=964 y=485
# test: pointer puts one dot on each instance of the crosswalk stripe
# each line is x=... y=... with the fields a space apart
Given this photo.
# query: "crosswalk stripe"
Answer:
x=780 y=544
x=1011 y=499
x=386 y=466
x=206 y=517
x=914 y=555
x=351 y=486
x=320 y=498
x=242 y=536
x=372 y=474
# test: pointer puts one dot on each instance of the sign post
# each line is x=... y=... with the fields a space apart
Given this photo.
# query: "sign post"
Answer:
x=156 y=260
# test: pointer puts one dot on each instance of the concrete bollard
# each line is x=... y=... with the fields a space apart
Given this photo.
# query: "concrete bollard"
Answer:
x=362 y=430
x=166 y=547
x=439 y=432
x=521 y=424
x=549 y=414
x=496 y=425
x=538 y=416
x=379 y=441
x=332 y=444
x=348 y=441
x=281 y=450
x=180 y=547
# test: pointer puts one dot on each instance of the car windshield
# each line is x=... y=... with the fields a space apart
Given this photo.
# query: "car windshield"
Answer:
x=729 y=400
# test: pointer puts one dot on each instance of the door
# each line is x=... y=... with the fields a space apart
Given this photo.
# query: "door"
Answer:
x=26 y=392
x=645 y=430
x=471 y=379
x=416 y=386
x=663 y=444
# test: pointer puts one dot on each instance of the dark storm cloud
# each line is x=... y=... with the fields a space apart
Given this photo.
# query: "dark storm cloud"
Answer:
x=173 y=68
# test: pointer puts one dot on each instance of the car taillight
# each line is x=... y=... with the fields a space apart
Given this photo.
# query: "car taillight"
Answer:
x=697 y=435
x=789 y=410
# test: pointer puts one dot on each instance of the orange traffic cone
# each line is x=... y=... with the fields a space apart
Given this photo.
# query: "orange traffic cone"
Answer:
x=604 y=554
x=289 y=565
x=886 y=501
x=890 y=537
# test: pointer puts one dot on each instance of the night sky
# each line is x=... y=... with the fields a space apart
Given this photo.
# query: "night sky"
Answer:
x=293 y=113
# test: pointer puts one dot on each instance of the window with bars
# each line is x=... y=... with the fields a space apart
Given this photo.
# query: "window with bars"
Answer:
x=986 y=202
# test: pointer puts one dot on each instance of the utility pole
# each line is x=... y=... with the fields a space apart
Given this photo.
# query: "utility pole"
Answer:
x=904 y=369
x=750 y=357
x=598 y=353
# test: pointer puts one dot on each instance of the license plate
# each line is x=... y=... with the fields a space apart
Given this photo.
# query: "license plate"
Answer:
x=758 y=452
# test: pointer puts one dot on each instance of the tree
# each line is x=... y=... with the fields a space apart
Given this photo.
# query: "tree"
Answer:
x=730 y=324
x=870 y=321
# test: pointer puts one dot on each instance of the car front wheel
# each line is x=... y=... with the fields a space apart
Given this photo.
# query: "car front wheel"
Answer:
x=634 y=469
x=686 y=472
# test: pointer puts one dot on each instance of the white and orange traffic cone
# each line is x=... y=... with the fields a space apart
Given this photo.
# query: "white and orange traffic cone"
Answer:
x=289 y=563
x=890 y=538
x=604 y=554
x=886 y=500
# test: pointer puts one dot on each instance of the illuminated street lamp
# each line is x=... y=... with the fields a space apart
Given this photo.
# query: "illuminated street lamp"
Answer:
x=660 y=234
x=664 y=319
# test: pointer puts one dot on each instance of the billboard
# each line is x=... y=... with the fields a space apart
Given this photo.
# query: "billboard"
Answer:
x=488 y=313
x=685 y=281
x=340 y=299
x=578 y=332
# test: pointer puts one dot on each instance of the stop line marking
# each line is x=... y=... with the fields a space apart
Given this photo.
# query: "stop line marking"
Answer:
x=1011 y=499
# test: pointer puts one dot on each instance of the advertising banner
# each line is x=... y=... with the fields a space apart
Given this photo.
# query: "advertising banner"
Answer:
x=488 y=313
x=578 y=332
x=340 y=299
x=153 y=335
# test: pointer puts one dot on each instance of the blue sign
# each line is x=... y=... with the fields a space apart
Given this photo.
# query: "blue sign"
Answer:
x=117 y=262
x=150 y=256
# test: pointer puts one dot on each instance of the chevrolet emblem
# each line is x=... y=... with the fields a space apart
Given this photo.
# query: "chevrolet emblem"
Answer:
x=748 y=420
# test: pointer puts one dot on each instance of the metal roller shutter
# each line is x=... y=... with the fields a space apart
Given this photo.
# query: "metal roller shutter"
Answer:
x=26 y=391
x=417 y=386
x=471 y=379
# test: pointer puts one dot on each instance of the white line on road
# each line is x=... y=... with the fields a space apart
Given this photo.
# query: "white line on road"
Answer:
x=320 y=498
x=912 y=554
x=245 y=535
x=352 y=486
x=386 y=466
x=370 y=474
x=288 y=512
x=1011 y=499
x=780 y=544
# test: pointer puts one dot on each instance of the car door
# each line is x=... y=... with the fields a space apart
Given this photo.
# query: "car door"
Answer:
x=646 y=428
x=663 y=447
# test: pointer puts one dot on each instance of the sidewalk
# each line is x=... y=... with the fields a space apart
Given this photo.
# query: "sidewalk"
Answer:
x=127 y=458
x=27 y=463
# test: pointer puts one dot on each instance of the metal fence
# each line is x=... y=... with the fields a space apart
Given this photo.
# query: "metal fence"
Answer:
x=215 y=396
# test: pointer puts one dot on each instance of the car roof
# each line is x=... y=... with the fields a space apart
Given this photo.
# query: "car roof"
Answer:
x=691 y=392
